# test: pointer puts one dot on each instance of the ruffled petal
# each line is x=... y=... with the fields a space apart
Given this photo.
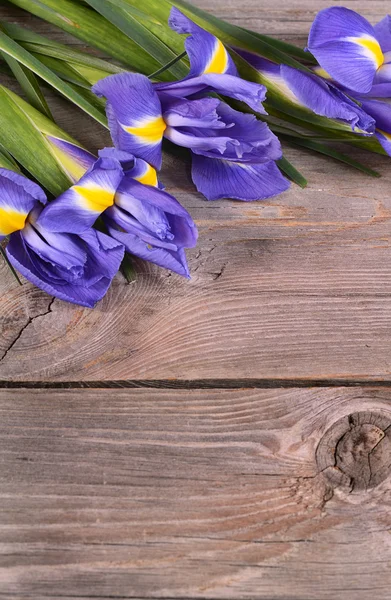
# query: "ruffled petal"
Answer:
x=18 y=196
x=159 y=213
x=252 y=94
x=106 y=252
x=206 y=52
x=135 y=115
x=175 y=260
x=217 y=179
x=345 y=45
x=77 y=209
x=250 y=140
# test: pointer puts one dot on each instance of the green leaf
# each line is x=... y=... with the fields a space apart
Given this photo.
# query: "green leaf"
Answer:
x=6 y=160
x=293 y=51
x=327 y=151
x=127 y=269
x=89 y=26
x=291 y=172
x=21 y=133
x=140 y=34
x=29 y=84
x=167 y=66
x=13 y=49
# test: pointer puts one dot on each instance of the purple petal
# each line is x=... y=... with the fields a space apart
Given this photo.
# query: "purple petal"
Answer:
x=250 y=140
x=252 y=94
x=244 y=181
x=135 y=115
x=326 y=100
x=18 y=197
x=380 y=111
x=159 y=213
x=385 y=140
x=175 y=260
x=31 y=188
x=77 y=209
x=206 y=52
x=345 y=45
x=74 y=160
x=383 y=33
x=103 y=253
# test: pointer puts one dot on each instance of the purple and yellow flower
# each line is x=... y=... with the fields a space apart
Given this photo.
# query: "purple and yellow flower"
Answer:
x=313 y=92
x=233 y=154
x=75 y=268
x=351 y=51
x=137 y=213
x=357 y=57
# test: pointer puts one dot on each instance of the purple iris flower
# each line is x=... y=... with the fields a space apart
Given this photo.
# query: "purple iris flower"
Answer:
x=357 y=57
x=233 y=154
x=124 y=192
x=313 y=92
x=352 y=52
x=75 y=268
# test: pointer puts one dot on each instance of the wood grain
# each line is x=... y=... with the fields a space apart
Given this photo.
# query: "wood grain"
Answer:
x=295 y=287
x=185 y=494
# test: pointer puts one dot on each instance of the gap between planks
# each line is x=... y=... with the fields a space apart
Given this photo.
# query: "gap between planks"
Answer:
x=230 y=384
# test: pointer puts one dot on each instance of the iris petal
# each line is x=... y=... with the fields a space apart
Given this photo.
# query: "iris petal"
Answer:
x=77 y=209
x=206 y=52
x=345 y=45
x=252 y=94
x=225 y=179
x=18 y=196
x=383 y=33
x=135 y=115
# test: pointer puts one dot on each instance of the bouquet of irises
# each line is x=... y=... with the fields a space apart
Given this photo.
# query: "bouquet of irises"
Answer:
x=233 y=98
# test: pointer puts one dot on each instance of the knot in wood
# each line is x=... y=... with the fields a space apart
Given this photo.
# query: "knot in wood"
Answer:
x=355 y=453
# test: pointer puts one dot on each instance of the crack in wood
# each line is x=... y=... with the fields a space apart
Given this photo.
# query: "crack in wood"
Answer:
x=23 y=329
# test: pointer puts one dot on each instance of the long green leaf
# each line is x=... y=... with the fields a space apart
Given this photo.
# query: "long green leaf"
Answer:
x=13 y=49
x=39 y=44
x=26 y=143
x=6 y=160
x=89 y=26
x=29 y=84
x=141 y=35
x=293 y=51
x=291 y=172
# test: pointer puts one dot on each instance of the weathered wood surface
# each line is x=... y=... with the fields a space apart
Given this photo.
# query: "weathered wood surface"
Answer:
x=269 y=494
x=295 y=287
x=189 y=494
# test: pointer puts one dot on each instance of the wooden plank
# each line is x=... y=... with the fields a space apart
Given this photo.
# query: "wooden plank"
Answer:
x=295 y=287
x=193 y=494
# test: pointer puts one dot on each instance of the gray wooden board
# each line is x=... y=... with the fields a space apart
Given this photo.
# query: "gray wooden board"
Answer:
x=269 y=494
x=187 y=494
x=294 y=287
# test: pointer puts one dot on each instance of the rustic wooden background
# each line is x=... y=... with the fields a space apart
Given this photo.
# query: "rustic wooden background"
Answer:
x=224 y=437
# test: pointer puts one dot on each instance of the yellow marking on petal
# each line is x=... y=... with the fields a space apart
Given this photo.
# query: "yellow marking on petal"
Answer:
x=11 y=221
x=150 y=131
x=322 y=73
x=373 y=48
x=73 y=168
x=219 y=61
x=95 y=199
x=149 y=177
x=385 y=134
